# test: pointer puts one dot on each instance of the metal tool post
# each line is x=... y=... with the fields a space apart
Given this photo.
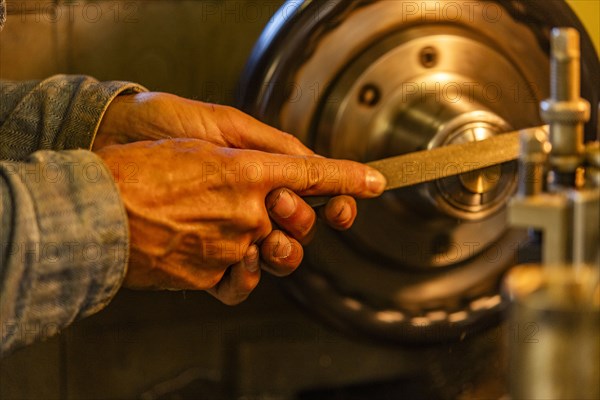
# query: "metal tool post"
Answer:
x=556 y=306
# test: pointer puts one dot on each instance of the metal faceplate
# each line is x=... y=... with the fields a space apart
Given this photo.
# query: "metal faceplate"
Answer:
x=364 y=80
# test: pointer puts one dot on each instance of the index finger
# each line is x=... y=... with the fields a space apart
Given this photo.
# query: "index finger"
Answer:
x=318 y=176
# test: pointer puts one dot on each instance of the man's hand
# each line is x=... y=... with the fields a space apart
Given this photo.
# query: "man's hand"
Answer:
x=200 y=215
x=154 y=116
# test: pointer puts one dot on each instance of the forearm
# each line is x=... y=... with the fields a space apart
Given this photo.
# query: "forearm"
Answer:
x=64 y=243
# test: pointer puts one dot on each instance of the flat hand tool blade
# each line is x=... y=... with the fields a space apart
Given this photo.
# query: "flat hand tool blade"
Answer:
x=441 y=162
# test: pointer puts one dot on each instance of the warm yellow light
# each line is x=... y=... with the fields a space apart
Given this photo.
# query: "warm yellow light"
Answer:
x=588 y=12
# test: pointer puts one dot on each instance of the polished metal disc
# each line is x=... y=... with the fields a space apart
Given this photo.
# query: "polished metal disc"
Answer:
x=364 y=80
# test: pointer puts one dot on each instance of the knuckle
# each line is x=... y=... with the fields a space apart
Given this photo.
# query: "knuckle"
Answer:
x=296 y=142
x=237 y=118
x=263 y=231
x=251 y=221
x=258 y=219
x=357 y=179
x=256 y=207
x=261 y=228
x=228 y=111
x=253 y=214
x=313 y=175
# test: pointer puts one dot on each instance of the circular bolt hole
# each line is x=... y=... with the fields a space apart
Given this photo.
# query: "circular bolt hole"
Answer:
x=428 y=57
x=369 y=95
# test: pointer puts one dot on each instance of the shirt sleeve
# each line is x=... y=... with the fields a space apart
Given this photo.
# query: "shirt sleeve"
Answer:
x=58 y=113
x=63 y=229
x=64 y=243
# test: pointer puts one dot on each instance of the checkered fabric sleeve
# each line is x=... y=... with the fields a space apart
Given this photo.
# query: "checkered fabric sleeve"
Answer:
x=63 y=227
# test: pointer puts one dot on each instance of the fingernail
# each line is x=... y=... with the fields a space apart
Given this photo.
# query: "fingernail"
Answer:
x=284 y=205
x=375 y=182
x=251 y=258
x=344 y=214
x=283 y=248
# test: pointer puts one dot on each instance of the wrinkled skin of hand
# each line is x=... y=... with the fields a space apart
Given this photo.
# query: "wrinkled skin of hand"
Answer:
x=196 y=210
x=202 y=207
x=154 y=115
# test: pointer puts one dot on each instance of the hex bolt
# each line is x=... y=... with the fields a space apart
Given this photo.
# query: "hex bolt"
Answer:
x=565 y=110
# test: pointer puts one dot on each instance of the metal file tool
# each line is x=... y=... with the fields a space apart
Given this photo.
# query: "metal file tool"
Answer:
x=442 y=162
